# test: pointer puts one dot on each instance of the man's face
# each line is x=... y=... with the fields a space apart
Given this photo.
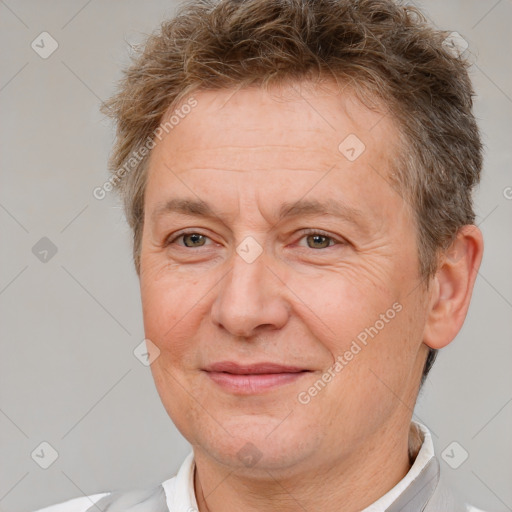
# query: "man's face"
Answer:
x=334 y=281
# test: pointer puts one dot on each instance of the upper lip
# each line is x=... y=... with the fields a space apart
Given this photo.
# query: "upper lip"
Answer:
x=256 y=368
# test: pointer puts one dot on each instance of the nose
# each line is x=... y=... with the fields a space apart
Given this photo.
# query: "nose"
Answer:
x=251 y=298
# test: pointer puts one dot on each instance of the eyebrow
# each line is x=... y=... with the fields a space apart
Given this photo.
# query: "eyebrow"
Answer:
x=199 y=208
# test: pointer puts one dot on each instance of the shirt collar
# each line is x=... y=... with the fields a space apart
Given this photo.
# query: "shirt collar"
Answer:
x=412 y=493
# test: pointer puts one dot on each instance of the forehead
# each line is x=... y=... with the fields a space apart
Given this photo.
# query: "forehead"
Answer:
x=279 y=125
x=272 y=145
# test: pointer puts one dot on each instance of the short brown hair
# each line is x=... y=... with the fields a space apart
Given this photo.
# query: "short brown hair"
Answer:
x=385 y=50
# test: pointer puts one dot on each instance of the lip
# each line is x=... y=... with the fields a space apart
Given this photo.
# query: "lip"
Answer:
x=247 y=379
x=250 y=369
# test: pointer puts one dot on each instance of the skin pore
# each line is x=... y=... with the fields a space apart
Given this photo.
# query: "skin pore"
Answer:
x=218 y=182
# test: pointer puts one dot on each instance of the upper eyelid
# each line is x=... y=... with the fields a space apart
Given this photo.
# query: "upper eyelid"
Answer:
x=308 y=231
x=175 y=236
x=312 y=231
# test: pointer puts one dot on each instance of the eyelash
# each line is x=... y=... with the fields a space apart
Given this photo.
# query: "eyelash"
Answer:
x=305 y=233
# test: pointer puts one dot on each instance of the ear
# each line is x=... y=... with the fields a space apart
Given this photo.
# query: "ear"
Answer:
x=452 y=287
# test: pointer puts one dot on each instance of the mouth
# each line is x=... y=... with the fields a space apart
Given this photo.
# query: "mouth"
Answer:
x=254 y=378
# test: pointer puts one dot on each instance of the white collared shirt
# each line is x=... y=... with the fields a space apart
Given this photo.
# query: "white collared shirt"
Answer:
x=418 y=491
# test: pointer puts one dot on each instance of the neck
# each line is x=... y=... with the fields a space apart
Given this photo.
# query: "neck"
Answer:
x=345 y=484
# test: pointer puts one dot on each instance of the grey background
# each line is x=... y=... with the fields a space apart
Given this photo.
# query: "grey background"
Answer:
x=69 y=326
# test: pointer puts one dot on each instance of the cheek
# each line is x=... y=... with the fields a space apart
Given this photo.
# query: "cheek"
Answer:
x=383 y=371
x=373 y=328
x=375 y=375
x=169 y=306
x=337 y=305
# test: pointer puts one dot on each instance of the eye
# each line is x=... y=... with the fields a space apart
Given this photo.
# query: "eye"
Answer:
x=190 y=239
x=318 y=240
x=315 y=239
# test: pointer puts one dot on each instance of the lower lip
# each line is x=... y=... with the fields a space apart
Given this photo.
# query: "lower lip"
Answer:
x=254 y=383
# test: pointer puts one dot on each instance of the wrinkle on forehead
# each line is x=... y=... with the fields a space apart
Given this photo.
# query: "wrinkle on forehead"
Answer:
x=278 y=113
x=261 y=142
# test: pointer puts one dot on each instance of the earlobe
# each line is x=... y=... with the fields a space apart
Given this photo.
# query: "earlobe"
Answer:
x=452 y=287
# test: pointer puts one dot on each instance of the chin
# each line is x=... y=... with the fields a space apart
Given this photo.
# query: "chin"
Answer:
x=254 y=443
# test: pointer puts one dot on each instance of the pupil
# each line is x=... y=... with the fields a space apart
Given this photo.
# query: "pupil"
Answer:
x=195 y=237
x=318 y=239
